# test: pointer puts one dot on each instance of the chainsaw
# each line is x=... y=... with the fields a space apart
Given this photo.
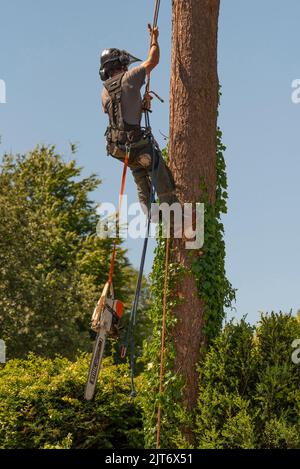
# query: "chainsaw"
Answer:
x=105 y=321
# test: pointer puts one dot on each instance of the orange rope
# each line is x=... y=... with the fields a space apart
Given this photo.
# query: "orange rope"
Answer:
x=163 y=342
x=113 y=257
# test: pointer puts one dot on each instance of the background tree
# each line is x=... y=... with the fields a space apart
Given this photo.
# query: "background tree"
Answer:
x=52 y=265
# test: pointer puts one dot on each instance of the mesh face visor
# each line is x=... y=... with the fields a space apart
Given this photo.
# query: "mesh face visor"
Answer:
x=111 y=55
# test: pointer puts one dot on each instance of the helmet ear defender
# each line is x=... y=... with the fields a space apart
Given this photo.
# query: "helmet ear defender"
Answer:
x=103 y=74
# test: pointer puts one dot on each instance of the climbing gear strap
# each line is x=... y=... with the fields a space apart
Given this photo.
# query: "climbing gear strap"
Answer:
x=113 y=257
x=114 y=107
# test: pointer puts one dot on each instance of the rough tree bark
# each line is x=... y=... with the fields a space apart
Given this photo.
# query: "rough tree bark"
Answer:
x=192 y=152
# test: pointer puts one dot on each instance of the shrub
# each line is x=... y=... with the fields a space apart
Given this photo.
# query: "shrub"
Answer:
x=42 y=406
x=250 y=388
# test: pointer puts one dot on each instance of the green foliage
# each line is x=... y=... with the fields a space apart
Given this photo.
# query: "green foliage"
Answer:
x=42 y=406
x=52 y=265
x=209 y=269
x=250 y=388
x=249 y=396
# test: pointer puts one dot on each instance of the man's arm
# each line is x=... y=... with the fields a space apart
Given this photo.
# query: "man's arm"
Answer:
x=153 y=58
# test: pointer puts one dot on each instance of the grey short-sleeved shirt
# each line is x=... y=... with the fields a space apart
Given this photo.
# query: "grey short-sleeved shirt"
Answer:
x=132 y=82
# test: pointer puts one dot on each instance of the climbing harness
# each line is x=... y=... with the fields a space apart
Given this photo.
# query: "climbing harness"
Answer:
x=118 y=133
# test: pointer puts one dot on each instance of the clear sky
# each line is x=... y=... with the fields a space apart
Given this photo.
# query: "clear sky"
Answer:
x=49 y=54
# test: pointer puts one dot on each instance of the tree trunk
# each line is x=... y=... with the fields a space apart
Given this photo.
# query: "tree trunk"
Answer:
x=192 y=151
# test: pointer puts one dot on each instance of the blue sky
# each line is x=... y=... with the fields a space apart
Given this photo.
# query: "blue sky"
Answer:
x=49 y=54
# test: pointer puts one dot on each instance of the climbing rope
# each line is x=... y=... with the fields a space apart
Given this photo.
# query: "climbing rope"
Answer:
x=147 y=97
x=133 y=314
x=156 y=13
x=162 y=353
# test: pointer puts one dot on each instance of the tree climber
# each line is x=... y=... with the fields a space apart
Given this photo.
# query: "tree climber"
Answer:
x=122 y=101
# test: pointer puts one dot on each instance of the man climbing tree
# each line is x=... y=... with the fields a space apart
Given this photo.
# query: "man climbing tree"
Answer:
x=121 y=100
x=137 y=148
